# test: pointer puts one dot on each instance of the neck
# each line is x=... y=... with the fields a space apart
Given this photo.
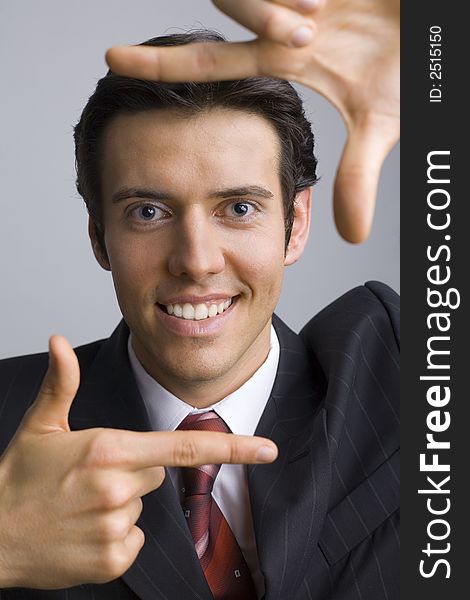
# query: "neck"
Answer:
x=202 y=394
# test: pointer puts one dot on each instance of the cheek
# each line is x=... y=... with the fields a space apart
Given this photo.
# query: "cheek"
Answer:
x=133 y=265
x=262 y=263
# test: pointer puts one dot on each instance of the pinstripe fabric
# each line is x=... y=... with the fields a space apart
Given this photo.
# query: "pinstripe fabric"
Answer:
x=221 y=559
x=325 y=513
x=356 y=343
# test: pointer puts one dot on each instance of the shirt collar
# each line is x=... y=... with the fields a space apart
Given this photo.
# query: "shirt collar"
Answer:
x=166 y=411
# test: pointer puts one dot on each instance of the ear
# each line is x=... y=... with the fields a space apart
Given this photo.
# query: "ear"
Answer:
x=300 y=228
x=98 y=250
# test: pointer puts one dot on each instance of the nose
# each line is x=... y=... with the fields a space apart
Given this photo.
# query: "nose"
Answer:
x=196 y=251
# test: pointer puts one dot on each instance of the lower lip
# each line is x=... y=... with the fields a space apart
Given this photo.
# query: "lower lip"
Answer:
x=189 y=328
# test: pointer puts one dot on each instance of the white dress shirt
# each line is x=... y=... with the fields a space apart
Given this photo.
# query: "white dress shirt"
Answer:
x=241 y=411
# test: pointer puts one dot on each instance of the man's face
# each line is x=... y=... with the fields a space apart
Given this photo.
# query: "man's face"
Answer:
x=194 y=233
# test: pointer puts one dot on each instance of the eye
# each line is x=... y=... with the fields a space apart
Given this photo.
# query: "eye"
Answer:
x=147 y=212
x=240 y=209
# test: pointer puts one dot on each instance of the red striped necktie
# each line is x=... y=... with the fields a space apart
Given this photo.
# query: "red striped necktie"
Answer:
x=221 y=559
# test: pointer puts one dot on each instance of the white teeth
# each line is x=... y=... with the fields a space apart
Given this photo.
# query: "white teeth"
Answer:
x=197 y=312
x=188 y=311
x=201 y=311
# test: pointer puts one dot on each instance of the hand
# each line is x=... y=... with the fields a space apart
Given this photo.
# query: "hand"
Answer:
x=69 y=500
x=353 y=61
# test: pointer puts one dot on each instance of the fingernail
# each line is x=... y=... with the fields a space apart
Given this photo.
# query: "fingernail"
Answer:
x=302 y=36
x=265 y=454
x=307 y=4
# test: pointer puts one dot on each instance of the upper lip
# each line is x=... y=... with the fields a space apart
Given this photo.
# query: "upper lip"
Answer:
x=196 y=299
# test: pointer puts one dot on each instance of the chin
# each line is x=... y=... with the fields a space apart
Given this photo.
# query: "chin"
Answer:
x=202 y=367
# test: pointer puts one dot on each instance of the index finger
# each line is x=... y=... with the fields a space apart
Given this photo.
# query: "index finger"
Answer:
x=276 y=22
x=195 y=448
x=202 y=61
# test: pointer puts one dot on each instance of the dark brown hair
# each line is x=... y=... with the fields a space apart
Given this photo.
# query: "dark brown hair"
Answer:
x=273 y=99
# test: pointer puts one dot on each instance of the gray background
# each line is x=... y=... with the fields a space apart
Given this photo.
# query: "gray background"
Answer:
x=51 y=57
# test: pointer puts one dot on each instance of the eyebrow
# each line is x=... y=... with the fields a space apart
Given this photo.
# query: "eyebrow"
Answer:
x=137 y=192
x=155 y=194
x=247 y=190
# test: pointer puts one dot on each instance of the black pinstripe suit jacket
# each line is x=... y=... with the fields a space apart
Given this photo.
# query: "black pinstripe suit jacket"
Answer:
x=325 y=513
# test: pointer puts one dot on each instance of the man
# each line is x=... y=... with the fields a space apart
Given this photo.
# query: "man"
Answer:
x=194 y=209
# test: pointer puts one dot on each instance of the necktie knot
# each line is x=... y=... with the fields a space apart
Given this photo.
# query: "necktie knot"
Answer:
x=200 y=480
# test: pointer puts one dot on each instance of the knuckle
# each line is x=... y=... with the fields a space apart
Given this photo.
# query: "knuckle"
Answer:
x=47 y=387
x=114 y=561
x=102 y=451
x=273 y=25
x=112 y=528
x=108 y=491
x=139 y=509
x=139 y=537
x=186 y=452
x=233 y=452
x=160 y=476
x=114 y=496
x=205 y=58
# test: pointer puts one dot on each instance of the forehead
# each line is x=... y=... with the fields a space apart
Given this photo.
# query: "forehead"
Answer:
x=216 y=148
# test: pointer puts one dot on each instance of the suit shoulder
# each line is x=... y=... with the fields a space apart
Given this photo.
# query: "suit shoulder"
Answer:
x=12 y=368
x=373 y=296
x=373 y=308
x=355 y=341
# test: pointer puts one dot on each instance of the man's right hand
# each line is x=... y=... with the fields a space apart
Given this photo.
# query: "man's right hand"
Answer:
x=69 y=500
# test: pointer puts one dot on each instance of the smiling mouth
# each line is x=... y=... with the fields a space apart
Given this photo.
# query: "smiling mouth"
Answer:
x=197 y=312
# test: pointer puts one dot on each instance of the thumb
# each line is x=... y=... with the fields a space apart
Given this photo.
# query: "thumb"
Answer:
x=51 y=409
x=357 y=178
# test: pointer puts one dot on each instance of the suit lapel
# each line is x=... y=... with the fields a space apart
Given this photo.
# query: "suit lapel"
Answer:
x=289 y=498
x=167 y=567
